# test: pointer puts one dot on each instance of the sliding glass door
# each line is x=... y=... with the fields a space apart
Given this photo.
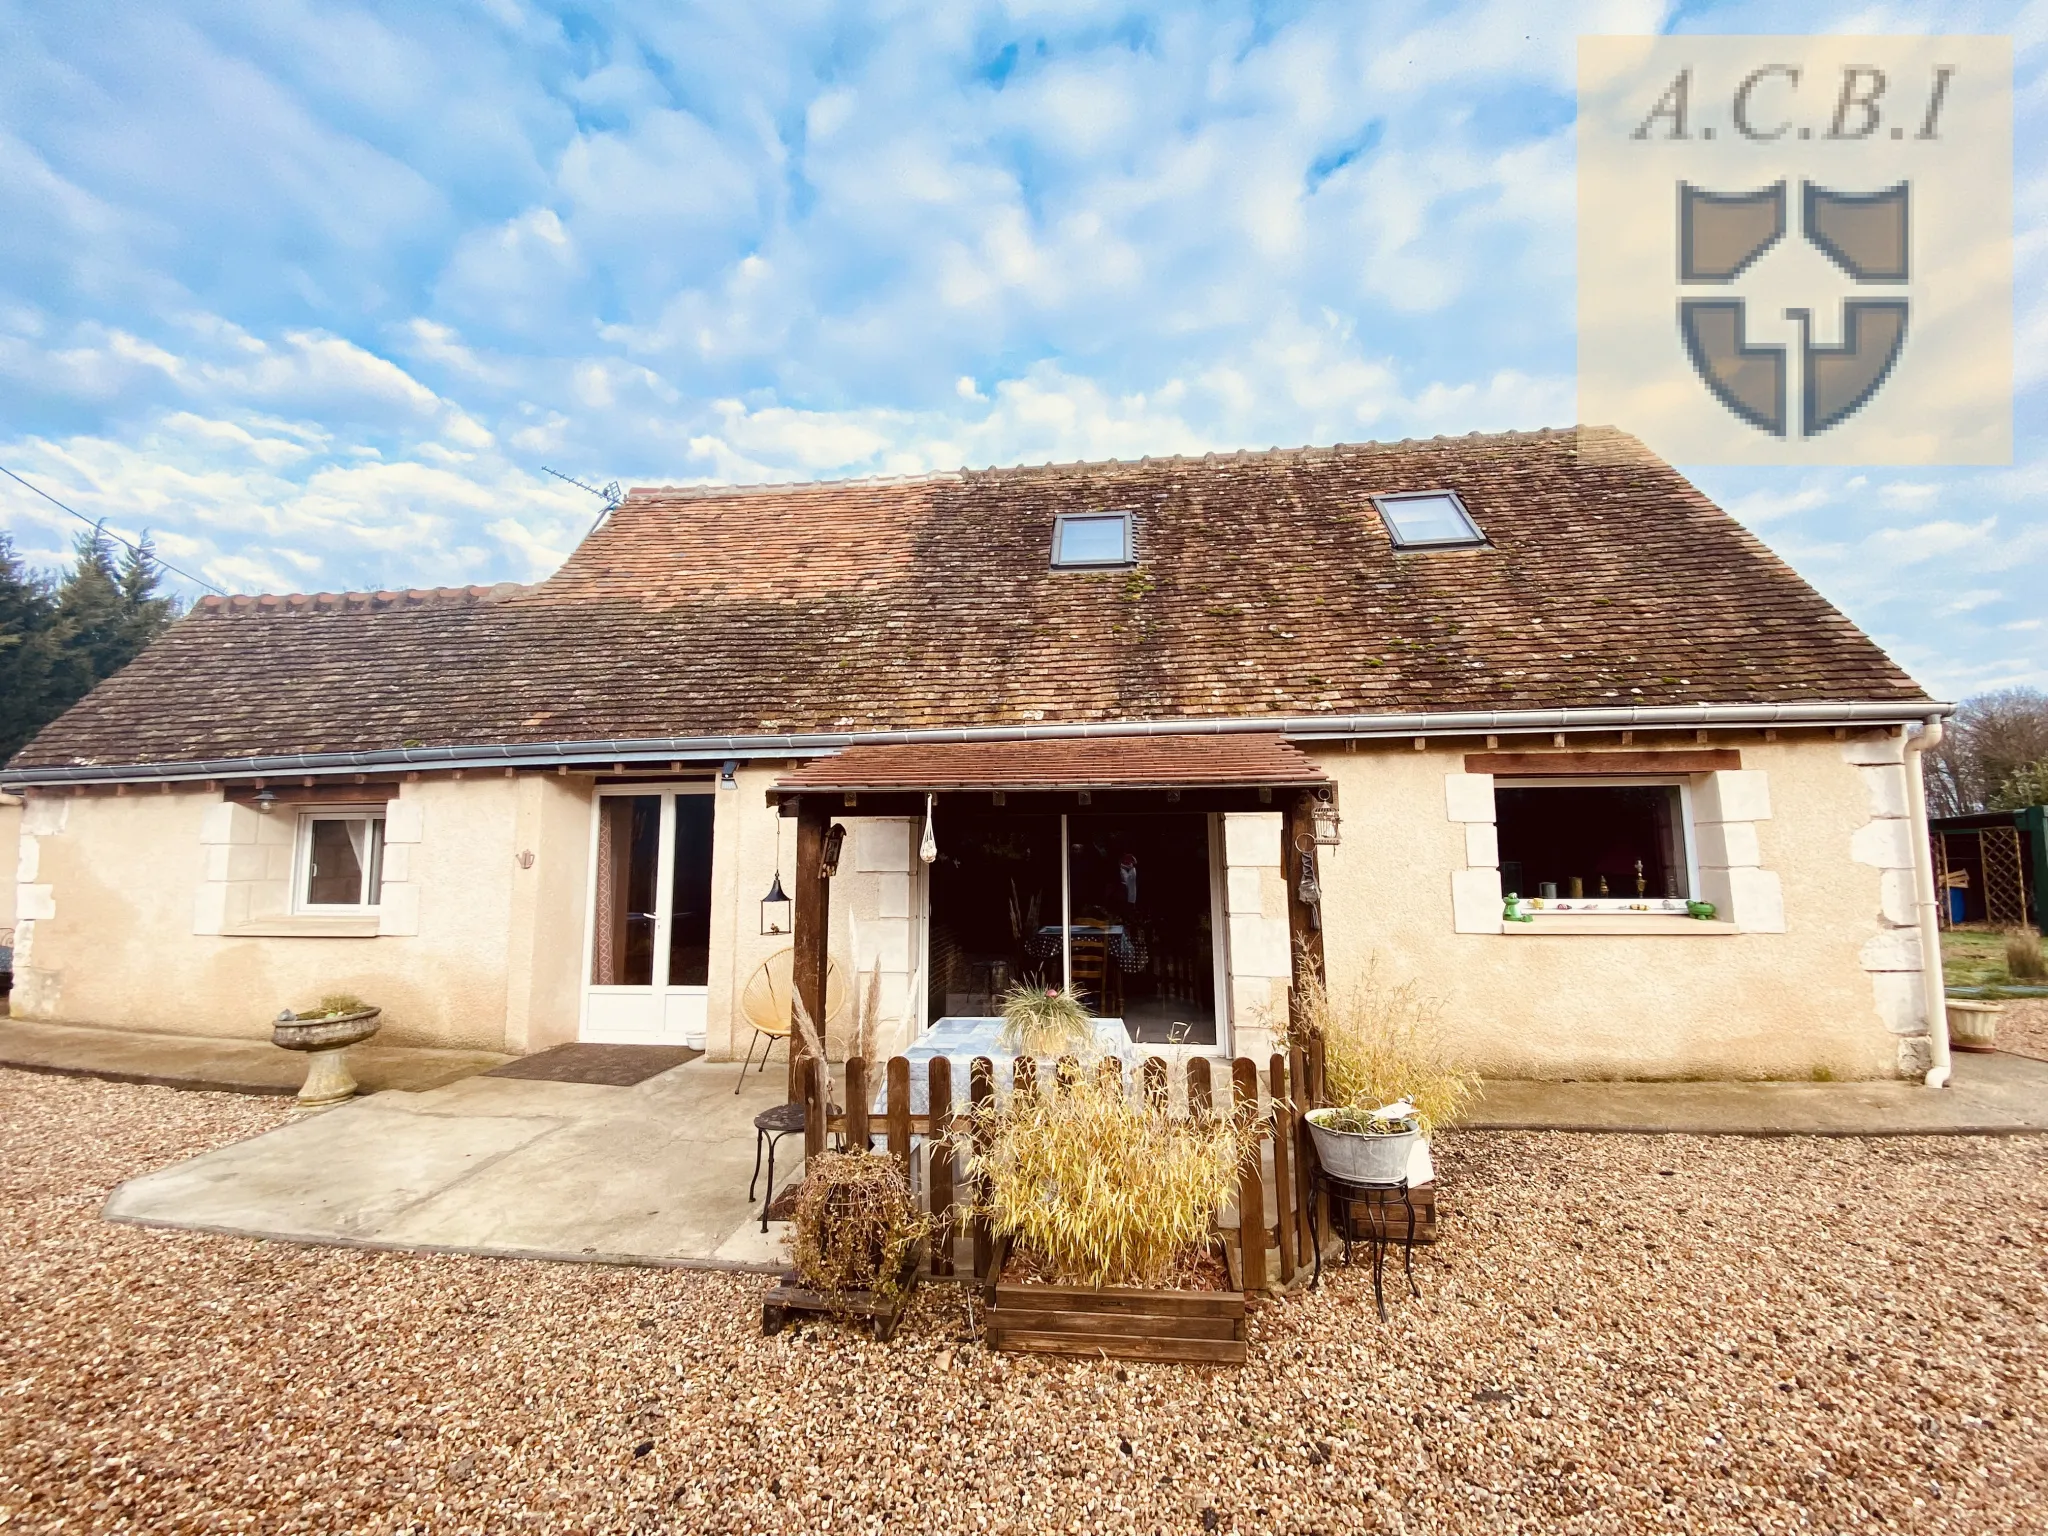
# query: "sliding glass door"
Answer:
x=649 y=946
x=1121 y=906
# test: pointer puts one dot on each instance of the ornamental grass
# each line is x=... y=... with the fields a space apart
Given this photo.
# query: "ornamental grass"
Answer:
x=1101 y=1188
x=1046 y=1021
x=2023 y=960
x=1382 y=1042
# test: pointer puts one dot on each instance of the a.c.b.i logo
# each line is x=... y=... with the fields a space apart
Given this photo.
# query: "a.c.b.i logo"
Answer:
x=1797 y=249
x=1721 y=235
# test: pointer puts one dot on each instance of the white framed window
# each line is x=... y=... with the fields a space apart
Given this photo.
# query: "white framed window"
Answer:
x=1597 y=847
x=338 y=868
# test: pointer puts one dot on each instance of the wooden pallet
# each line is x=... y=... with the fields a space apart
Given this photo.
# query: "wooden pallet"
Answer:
x=789 y=1300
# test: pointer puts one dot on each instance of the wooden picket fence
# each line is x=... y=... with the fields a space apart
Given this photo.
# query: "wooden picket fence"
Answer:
x=1277 y=1180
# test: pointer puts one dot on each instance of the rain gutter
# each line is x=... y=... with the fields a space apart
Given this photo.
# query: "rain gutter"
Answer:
x=660 y=751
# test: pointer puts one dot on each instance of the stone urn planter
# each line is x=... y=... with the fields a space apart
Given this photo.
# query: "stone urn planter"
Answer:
x=1972 y=1026
x=324 y=1038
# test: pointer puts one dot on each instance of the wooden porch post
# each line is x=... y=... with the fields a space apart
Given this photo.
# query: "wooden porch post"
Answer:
x=810 y=926
x=1298 y=831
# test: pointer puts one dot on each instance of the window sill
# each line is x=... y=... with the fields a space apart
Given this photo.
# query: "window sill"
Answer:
x=1665 y=927
x=304 y=928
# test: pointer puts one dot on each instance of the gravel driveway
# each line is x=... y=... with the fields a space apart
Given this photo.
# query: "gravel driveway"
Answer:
x=1618 y=1334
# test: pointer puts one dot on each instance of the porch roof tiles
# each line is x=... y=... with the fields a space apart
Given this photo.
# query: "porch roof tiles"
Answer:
x=1265 y=588
x=1250 y=759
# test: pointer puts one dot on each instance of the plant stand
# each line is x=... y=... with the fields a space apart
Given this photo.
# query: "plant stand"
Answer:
x=1384 y=1206
x=790 y=1300
x=1124 y=1322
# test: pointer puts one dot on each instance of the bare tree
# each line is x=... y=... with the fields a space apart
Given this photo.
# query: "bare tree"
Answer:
x=1994 y=741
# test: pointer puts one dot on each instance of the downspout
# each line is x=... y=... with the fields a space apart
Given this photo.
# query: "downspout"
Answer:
x=1933 y=986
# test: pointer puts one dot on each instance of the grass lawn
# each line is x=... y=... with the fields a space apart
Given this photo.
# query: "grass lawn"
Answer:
x=1975 y=957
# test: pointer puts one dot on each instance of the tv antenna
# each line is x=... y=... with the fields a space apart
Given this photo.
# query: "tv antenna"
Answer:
x=612 y=494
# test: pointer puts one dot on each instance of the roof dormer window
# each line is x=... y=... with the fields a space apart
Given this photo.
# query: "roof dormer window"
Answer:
x=1092 y=540
x=1428 y=520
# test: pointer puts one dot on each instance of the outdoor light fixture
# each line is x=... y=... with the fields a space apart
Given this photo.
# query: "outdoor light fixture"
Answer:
x=835 y=839
x=265 y=799
x=1324 y=811
x=726 y=771
x=776 y=907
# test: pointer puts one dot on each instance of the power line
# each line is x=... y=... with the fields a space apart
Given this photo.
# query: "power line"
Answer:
x=99 y=526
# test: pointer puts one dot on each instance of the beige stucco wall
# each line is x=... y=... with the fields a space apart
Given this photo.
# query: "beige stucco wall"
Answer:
x=1830 y=993
x=127 y=905
x=10 y=844
x=113 y=888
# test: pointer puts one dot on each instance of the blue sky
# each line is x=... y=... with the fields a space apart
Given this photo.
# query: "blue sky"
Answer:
x=312 y=292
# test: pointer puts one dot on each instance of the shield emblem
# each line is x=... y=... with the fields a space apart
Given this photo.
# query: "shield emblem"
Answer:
x=1864 y=235
x=1720 y=234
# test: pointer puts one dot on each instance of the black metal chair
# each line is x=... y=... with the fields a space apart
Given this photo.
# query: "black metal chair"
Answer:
x=770 y=1127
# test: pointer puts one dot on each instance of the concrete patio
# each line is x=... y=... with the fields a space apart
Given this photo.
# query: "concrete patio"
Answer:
x=657 y=1173
x=652 y=1174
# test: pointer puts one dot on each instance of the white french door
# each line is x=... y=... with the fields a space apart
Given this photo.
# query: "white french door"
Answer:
x=647 y=948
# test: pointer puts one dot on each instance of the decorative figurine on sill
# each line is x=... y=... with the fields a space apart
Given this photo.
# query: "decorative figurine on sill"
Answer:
x=1603 y=885
x=1703 y=910
x=1511 y=910
x=1641 y=884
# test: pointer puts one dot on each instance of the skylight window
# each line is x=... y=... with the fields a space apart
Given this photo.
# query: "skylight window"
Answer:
x=1428 y=520
x=1083 y=539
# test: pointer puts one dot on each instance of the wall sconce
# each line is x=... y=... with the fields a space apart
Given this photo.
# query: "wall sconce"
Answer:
x=776 y=908
x=265 y=799
x=1323 y=810
x=726 y=773
x=835 y=839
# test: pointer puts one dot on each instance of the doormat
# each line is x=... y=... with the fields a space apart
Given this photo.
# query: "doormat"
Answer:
x=609 y=1066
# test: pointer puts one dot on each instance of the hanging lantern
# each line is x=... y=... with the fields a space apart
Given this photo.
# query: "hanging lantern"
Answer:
x=835 y=839
x=1323 y=811
x=776 y=908
x=928 y=850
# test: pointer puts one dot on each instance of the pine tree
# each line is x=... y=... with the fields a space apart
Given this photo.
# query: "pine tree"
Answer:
x=89 y=617
x=29 y=696
x=56 y=647
x=144 y=613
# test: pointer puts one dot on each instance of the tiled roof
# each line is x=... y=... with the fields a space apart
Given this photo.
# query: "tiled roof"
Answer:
x=1252 y=758
x=1266 y=587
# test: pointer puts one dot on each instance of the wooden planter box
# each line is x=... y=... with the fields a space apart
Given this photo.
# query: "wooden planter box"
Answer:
x=1124 y=1322
x=1389 y=1216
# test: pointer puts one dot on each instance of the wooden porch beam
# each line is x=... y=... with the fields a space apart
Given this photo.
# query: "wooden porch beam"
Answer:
x=811 y=925
x=1304 y=939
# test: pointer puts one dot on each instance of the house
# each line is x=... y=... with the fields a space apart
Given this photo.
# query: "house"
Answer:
x=1098 y=721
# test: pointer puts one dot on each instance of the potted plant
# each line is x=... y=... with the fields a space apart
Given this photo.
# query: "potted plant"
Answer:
x=1366 y=1146
x=1046 y=1021
x=323 y=1032
x=1382 y=1048
x=853 y=1242
x=1104 y=1210
x=1972 y=1025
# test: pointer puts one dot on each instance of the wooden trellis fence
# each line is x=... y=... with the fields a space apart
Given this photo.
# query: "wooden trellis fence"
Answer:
x=1277 y=1180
